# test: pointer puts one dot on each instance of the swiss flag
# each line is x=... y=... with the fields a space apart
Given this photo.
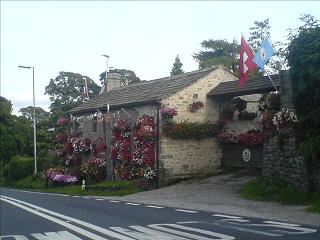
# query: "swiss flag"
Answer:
x=246 y=62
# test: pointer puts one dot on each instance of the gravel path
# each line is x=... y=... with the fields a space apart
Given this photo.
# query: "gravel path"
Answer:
x=221 y=194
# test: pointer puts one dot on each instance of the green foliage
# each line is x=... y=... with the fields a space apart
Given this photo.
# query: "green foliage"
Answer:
x=191 y=130
x=35 y=182
x=219 y=52
x=18 y=168
x=66 y=91
x=304 y=60
x=16 y=133
x=41 y=115
x=127 y=76
x=259 y=31
x=310 y=147
x=177 y=67
x=270 y=189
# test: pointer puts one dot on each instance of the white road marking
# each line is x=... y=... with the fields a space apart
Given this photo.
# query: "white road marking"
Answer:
x=247 y=230
x=225 y=216
x=151 y=206
x=99 y=199
x=162 y=227
x=188 y=222
x=42 y=193
x=16 y=237
x=187 y=211
x=282 y=223
x=144 y=233
x=77 y=221
x=56 y=220
x=75 y=196
x=87 y=197
x=62 y=235
x=114 y=201
x=134 y=204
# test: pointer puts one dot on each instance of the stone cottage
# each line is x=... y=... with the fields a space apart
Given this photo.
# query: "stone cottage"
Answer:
x=174 y=159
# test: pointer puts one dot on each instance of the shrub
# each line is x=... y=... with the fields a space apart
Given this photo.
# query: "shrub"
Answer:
x=18 y=168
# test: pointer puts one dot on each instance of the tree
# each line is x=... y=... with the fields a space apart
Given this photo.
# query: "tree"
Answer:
x=303 y=60
x=259 y=31
x=66 y=91
x=219 y=52
x=127 y=76
x=16 y=133
x=44 y=134
x=41 y=115
x=177 y=67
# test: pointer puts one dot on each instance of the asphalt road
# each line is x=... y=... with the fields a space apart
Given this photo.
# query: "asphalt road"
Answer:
x=28 y=215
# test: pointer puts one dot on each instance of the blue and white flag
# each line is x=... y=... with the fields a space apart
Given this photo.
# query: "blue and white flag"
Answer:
x=264 y=53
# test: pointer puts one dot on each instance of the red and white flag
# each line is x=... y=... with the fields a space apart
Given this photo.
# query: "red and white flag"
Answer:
x=246 y=62
x=85 y=90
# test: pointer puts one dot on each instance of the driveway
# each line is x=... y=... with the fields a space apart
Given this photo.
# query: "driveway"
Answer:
x=221 y=194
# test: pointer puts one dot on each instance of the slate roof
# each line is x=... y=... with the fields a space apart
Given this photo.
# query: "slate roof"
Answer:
x=142 y=93
x=253 y=85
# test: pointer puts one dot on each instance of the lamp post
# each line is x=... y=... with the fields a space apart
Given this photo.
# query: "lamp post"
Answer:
x=105 y=80
x=34 y=120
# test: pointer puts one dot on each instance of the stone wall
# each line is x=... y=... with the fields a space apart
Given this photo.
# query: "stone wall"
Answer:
x=186 y=158
x=181 y=100
x=281 y=160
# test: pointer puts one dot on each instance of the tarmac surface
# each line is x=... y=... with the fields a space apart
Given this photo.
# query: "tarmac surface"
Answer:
x=221 y=194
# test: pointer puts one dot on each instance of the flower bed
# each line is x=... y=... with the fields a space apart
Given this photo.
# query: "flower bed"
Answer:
x=242 y=138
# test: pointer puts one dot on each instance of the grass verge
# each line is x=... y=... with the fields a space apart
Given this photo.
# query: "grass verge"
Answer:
x=266 y=189
x=102 y=189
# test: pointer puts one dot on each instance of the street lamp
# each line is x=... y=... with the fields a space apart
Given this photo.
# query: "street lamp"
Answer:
x=107 y=70
x=34 y=120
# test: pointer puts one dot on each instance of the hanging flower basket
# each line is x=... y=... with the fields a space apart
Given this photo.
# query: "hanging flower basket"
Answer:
x=63 y=121
x=193 y=107
x=168 y=112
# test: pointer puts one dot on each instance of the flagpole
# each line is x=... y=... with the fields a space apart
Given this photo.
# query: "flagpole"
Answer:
x=273 y=84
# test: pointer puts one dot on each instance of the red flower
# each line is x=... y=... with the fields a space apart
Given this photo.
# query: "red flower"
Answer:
x=63 y=121
x=61 y=138
x=68 y=147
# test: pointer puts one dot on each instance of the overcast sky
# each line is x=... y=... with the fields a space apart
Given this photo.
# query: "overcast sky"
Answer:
x=144 y=36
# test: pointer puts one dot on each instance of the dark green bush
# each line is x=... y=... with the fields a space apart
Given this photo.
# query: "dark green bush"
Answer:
x=18 y=168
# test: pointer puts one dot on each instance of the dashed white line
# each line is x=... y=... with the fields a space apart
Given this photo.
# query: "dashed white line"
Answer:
x=76 y=196
x=184 y=210
x=151 y=206
x=282 y=223
x=134 y=204
x=114 y=201
x=226 y=216
x=99 y=199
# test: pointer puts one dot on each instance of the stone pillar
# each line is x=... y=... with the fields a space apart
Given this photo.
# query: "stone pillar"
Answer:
x=285 y=89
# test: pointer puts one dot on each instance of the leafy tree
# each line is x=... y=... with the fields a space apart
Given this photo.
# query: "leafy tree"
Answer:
x=16 y=133
x=127 y=76
x=41 y=115
x=219 y=52
x=259 y=31
x=304 y=60
x=44 y=133
x=66 y=91
x=177 y=67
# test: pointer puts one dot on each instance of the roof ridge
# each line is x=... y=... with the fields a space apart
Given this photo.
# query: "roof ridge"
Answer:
x=164 y=78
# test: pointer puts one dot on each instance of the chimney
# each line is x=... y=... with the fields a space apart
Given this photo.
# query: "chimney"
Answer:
x=113 y=81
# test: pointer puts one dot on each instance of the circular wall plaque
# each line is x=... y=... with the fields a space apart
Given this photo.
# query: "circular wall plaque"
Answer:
x=246 y=155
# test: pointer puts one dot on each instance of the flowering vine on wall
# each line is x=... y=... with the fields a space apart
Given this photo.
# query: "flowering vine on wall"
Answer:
x=79 y=158
x=133 y=148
